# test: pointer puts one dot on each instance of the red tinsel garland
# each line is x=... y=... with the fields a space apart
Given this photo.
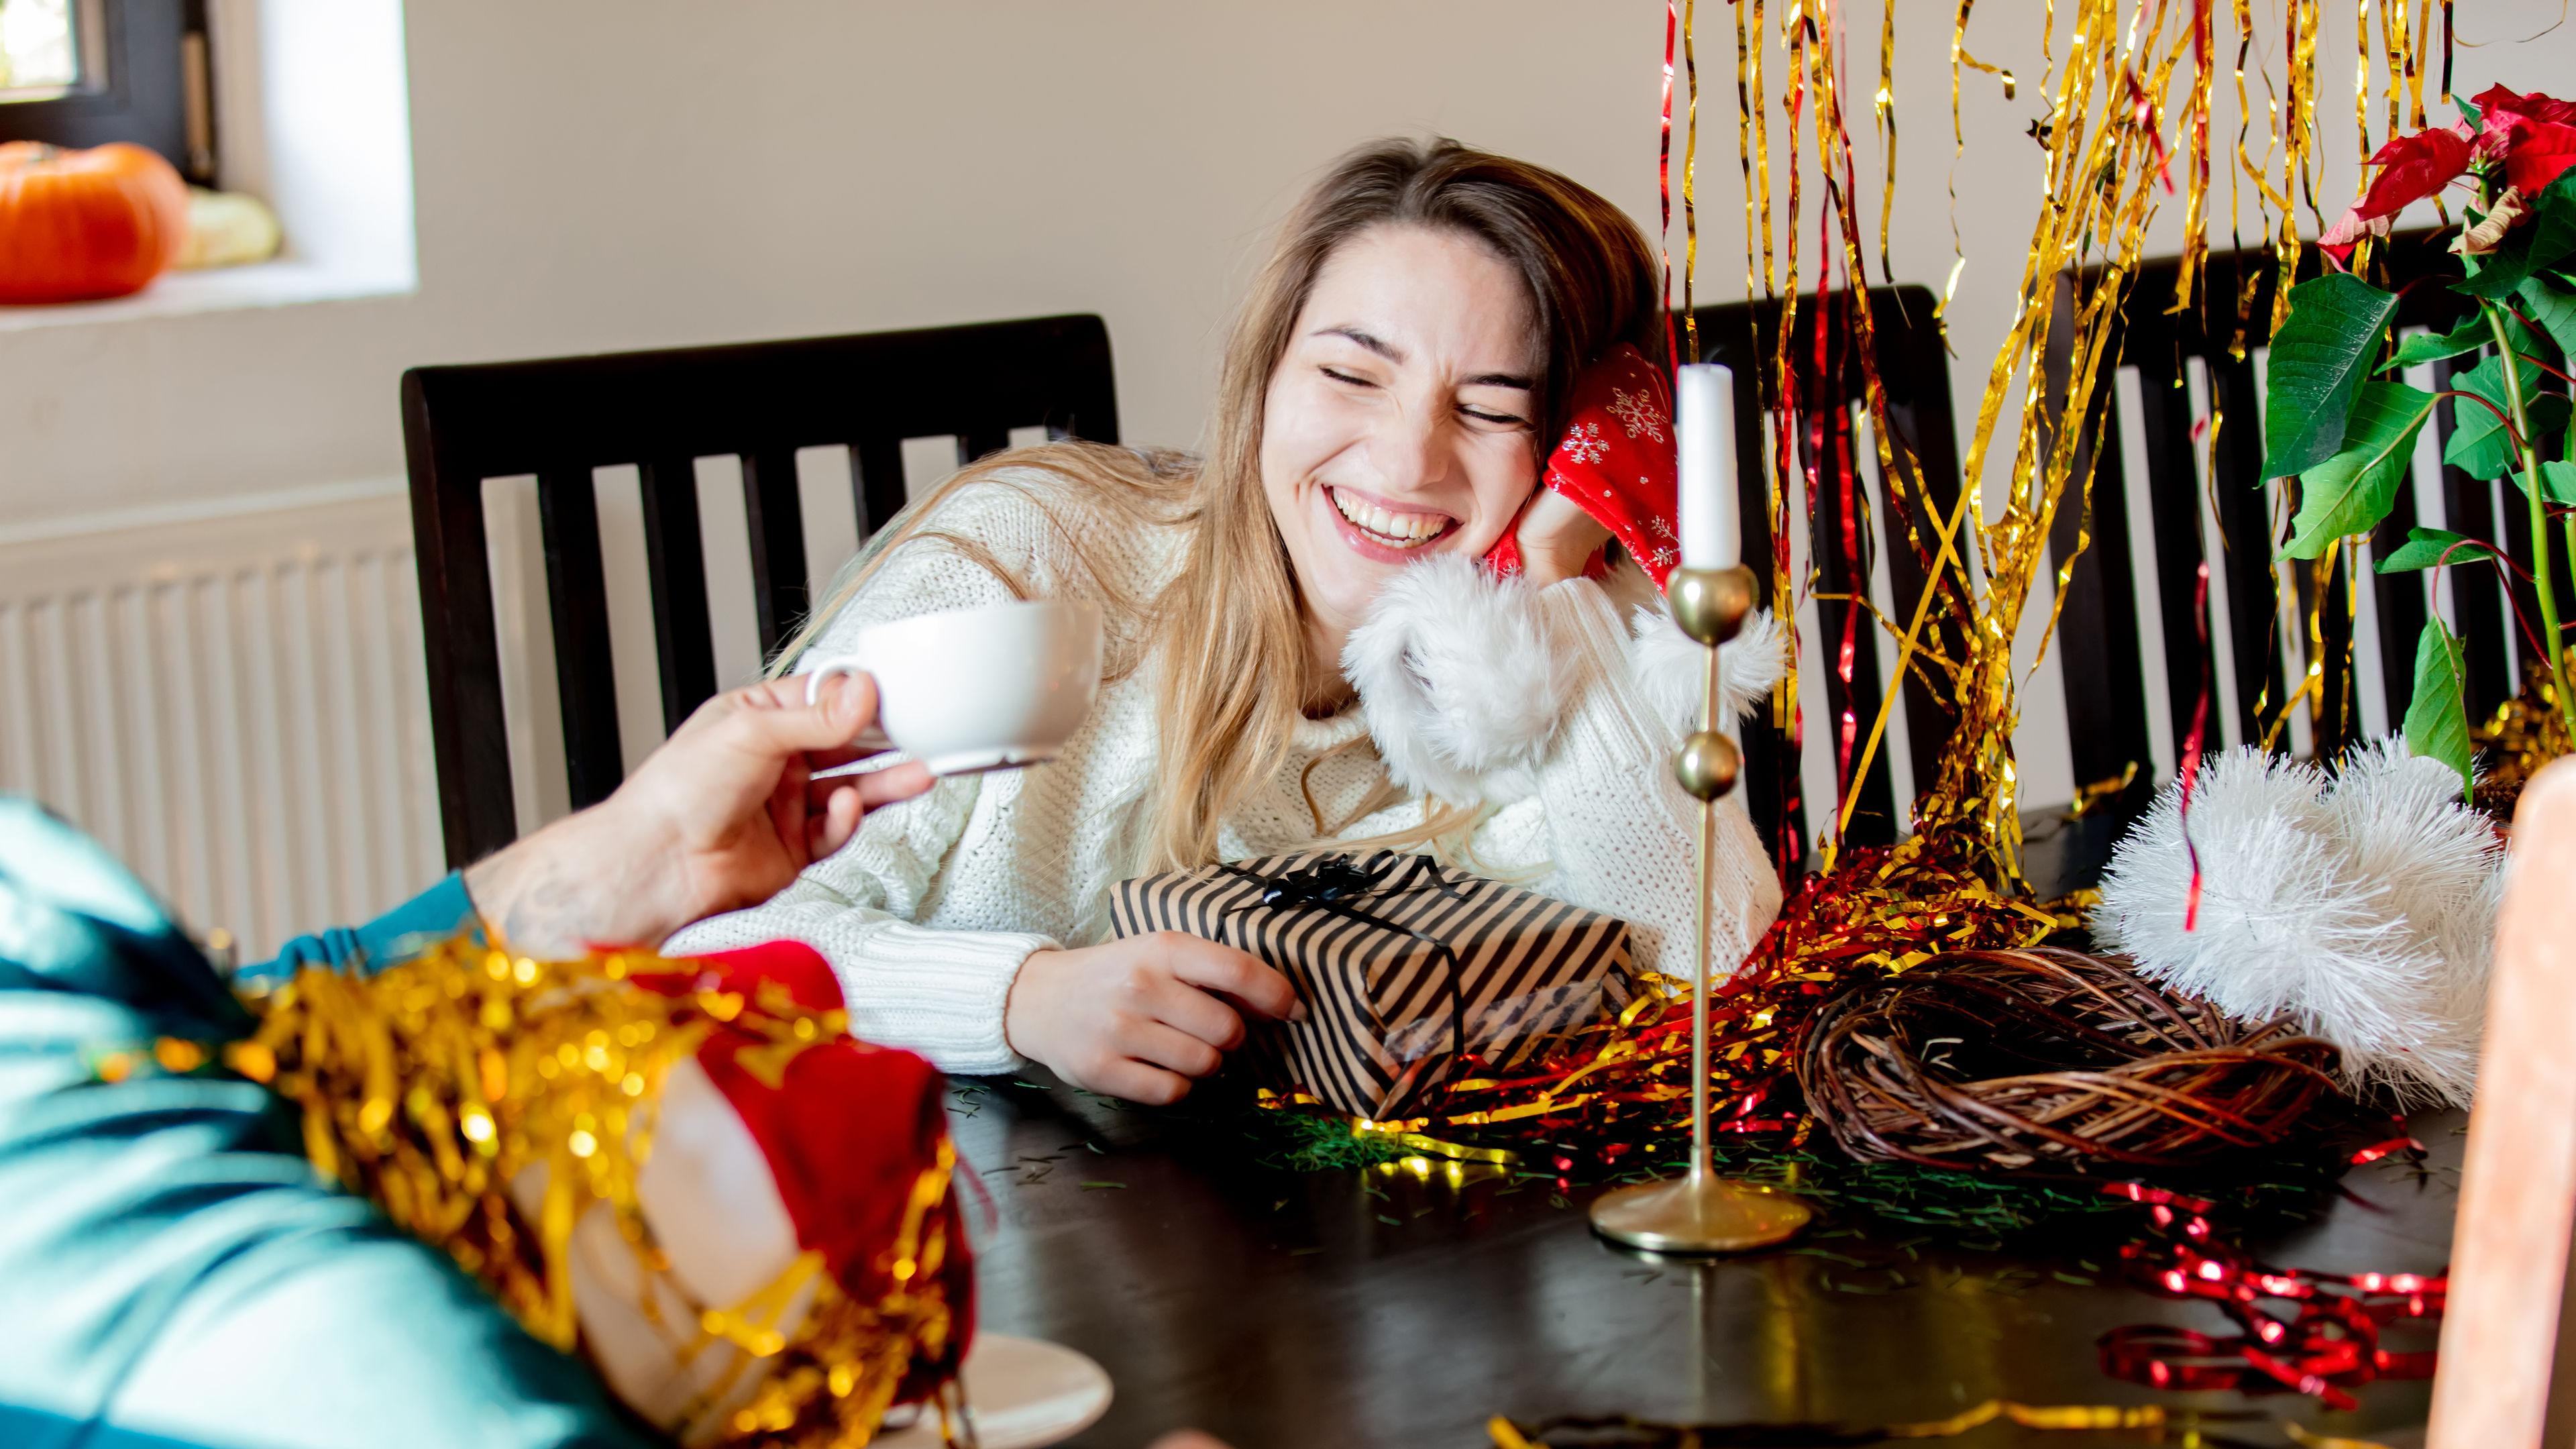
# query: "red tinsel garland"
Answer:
x=2326 y=1344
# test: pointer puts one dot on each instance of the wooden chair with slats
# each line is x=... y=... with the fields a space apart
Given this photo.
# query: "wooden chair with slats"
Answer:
x=2127 y=643
x=559 y=419
x=2128 y=639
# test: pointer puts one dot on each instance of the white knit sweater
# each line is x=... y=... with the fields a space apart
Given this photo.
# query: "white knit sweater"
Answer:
x=1537 y=703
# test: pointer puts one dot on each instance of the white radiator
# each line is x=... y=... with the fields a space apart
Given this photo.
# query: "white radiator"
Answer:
x=233 y=704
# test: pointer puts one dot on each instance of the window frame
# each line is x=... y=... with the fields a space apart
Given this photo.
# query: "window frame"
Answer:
x=159 y=90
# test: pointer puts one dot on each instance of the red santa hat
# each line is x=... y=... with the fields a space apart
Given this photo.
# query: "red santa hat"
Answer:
x=1617 y=460
x=780 y=1155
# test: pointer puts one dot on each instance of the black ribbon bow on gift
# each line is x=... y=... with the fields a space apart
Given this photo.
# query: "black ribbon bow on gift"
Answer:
x=1335 y=883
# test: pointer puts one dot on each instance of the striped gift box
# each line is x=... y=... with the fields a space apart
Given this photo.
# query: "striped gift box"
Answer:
x=1403 y=965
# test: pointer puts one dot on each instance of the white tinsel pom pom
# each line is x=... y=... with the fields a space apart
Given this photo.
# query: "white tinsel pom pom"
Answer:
x=2362 y=906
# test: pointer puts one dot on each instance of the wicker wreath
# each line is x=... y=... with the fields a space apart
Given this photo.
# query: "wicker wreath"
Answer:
x=1999 y=1060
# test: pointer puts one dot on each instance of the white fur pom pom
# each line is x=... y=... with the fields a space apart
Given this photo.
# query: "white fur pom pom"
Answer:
x=1671 y=667
x=2361 y=906
x=1461 y=686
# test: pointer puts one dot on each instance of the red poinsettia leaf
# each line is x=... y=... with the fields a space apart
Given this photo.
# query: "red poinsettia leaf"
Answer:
x=2539 y=152
x=2414 y=167
x=2338 y=240
x=2533 y=107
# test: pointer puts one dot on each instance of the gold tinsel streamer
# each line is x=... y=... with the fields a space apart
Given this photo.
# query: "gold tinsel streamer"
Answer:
x=2104 y=139
x=2111 y=141
x=436 y=1086
x=2115 y=135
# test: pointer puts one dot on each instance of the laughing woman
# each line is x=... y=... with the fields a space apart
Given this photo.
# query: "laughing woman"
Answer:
x=1303 y=646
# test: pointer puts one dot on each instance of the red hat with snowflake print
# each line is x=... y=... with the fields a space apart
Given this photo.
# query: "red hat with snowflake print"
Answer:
x=1616 y=460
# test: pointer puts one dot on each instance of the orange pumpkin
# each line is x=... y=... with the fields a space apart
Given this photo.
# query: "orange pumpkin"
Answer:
x=76 y=225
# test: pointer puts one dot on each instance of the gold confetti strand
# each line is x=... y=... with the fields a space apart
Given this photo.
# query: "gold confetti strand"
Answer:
x=1883 y=111
x=1760 y=111
x=1960 y=56
x=2244 y=128
x=1837 y=215
x=2395 y=59
x=2394 y=55
x=1690 y=179
x=2138 y=145
x=2415 y=70
x=1753 y=150
x=1976 y=785
x=1787 y=711
x=2195 y=214
x=1832 y=167
x=1747 y=80
x=2266 y=199
x=1833 y=135
x=2364 y=255
x=2361 y=94
x=1941 y=566
x=2297 y=131
x=2326 y=717
x=2276 y=722
x=2449 y=38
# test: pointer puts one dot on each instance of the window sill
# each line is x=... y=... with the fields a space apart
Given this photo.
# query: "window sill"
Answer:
x=179 y=294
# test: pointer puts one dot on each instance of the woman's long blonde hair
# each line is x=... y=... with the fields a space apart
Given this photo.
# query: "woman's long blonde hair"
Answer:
x=1221 y=630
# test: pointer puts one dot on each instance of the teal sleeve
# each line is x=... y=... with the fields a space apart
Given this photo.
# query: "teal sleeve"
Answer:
x=437 y=914
x=173 y=1273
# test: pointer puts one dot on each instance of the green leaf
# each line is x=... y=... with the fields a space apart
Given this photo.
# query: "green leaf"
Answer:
x=2494 y=276
x=2558 y=482
x=2534 y=245
x=2437 y=721
x=2554 y=308
x=2351 y=491
x=2426 y=548
x=2425 y=347
x=2318 y=359
x=2480 y=446
x=2555 y=235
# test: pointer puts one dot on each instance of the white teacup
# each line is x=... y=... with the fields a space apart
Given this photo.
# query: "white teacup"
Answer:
x=978 y=689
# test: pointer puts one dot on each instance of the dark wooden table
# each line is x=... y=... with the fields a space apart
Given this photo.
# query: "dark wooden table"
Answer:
x=1396 y=1307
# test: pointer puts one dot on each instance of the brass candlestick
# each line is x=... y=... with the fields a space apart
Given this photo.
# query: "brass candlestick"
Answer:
x=1701 y=1212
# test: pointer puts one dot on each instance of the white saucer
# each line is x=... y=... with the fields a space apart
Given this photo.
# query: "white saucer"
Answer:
x=1021 y=1393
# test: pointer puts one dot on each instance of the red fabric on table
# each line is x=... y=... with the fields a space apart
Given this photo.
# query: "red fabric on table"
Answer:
x=847 y=1132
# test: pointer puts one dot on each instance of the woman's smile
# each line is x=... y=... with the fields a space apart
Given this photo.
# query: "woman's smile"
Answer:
x=1383 y=530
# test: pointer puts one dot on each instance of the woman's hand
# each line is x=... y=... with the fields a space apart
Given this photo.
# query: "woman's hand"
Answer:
x=722 y=816
x=1138 y=1018
x=1557 y=538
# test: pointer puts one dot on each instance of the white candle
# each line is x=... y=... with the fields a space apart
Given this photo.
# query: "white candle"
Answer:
x=1704 y=426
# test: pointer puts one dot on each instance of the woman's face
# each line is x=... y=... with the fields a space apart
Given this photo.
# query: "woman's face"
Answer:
x=1398 y=423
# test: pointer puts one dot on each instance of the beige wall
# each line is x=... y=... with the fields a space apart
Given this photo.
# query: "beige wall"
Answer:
x=628 y=173
x=596 y=174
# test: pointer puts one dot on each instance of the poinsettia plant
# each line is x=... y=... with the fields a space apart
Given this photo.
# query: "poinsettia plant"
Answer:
x=2340 y=420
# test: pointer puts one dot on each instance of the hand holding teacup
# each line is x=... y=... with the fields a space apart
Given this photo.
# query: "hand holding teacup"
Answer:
x=986 y=688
